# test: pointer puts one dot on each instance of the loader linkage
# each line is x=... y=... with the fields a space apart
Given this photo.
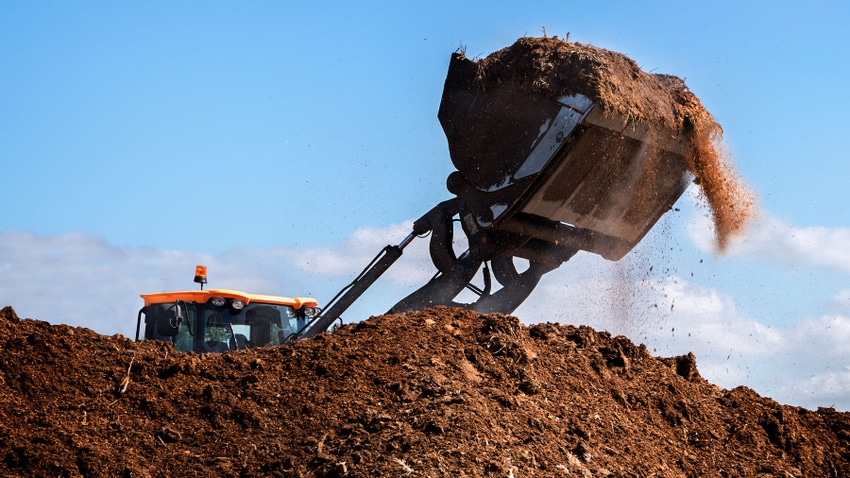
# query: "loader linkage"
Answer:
x=538 y=179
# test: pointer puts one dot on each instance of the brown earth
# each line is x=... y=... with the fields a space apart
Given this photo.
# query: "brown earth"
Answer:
x=550 y=67
x=442 y=392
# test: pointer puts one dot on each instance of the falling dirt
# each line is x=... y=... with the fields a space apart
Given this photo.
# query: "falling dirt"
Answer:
x=441 y=392
x=731 y=202
x=550 y=67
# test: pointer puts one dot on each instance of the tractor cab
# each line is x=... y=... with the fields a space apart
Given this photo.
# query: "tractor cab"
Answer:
x=218 y=320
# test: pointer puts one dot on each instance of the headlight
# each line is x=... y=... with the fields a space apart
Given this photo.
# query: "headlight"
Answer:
x=312 y=311
x=237 y=304
x=218 y=301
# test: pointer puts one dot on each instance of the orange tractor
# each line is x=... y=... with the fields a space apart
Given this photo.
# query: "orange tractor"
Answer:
x=217 y=320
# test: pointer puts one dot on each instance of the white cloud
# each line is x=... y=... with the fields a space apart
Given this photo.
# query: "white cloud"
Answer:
x=842 y=299
x=352 y=255
x=670 y=315
x=81 y=280
x=821 y=390
x=774 y=240
x=727 y=374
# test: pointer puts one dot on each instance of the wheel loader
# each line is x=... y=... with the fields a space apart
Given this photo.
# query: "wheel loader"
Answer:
x=216 y=320
x=538 y=178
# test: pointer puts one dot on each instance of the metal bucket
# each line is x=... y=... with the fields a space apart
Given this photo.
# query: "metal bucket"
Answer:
x=557 y=169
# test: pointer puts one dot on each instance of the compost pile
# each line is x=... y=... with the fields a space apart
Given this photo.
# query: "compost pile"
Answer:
x=550 y=68
x=441 y=392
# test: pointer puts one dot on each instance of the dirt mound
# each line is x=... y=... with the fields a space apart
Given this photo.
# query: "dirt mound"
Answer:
x=443 y=392
x=551 y=68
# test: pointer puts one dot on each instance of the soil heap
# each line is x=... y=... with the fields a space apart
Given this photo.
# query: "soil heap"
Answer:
x=441 y=392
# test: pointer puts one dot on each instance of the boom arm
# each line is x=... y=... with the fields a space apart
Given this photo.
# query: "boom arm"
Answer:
x=454 y=273
x=538 y=178
x=350 y=293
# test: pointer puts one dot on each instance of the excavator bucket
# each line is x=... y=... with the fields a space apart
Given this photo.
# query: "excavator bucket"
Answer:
x=557 y=169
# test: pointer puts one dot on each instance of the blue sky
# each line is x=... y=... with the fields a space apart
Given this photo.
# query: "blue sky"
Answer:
x=285 y=146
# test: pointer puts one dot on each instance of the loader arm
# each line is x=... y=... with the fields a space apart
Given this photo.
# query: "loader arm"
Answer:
x=538 y=178
x=454 y=274
x=349 y=294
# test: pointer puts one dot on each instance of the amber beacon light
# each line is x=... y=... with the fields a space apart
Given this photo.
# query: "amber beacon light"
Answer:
x=201 y=275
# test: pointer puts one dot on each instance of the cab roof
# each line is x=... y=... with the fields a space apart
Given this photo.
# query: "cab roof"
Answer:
x=203 y=296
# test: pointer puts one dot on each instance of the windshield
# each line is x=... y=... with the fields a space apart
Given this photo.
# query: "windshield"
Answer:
x=206 y=328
